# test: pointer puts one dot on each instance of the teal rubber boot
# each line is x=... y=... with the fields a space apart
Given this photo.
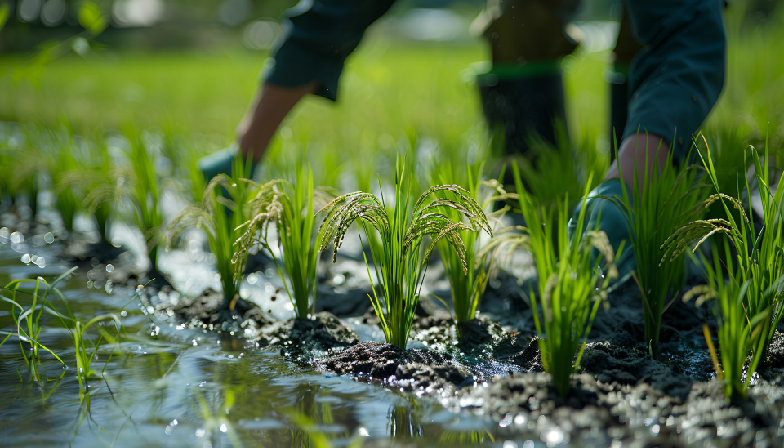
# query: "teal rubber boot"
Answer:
x=220 y=162
x=602 y=214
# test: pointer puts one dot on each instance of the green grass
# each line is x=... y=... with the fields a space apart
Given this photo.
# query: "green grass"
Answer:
x=399 y=260
x=221 y=215
x=289 y=205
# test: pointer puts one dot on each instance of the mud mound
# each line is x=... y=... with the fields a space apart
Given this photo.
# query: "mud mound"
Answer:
x=322 y=332
x=407 y=369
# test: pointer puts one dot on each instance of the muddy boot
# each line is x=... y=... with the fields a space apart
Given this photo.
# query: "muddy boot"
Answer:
x=617 y=77
x=524 y=104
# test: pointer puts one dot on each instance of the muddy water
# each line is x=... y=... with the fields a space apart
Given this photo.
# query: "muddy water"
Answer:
x=183 y=387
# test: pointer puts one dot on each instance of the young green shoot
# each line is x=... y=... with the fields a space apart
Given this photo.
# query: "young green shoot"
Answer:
x=739 y=330
x=290 y=207
x=653 y=213
x=571 y=285
x=759 y=257
x=399 y=260
x=221 y=218
x=28 y=320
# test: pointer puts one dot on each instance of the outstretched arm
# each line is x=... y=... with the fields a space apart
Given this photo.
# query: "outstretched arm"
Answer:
x=674 y=81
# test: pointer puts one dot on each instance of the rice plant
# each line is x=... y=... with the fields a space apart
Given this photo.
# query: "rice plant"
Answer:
x=570 y=284
x=290 y=207
x=652 y=215
x=85 y=347
x=738 y=328
x=759 y=257
x=468 y=278
x=135 y=183
x=399 y=260
x=29 y=327
x=28 y=320
x=97 y=172
x=221 y=218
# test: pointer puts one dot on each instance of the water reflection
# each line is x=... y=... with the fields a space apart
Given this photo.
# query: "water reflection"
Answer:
x=162 y=389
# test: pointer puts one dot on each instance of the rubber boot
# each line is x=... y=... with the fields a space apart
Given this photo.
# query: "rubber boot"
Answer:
x=523 y=104
x=619 y=104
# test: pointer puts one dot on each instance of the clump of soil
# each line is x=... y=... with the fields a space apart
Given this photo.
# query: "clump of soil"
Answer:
x=211 y=311
x=519 y=350
x=394 y=367
x=320 y=333
x=82 y=250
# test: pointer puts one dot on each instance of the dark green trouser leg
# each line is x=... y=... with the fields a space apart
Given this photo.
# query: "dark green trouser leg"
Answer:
x=626 y=47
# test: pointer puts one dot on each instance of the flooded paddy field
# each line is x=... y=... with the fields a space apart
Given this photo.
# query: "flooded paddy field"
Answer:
x=252 y=380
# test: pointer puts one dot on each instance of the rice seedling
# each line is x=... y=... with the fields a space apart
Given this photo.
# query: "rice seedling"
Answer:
x=399 y=261
x=20 y=166
x=28 y=320
x=97 y=172
x=738 y=328
x=136 y=183
x=290 y=207
x=29 y=326
x=759 y=257
x=468 y=278
x=570 y=285
x=652 y=215
x=221 y=218
x=85 y=348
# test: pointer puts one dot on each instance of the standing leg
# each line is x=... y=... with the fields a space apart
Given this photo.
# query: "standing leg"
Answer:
x=523 y=94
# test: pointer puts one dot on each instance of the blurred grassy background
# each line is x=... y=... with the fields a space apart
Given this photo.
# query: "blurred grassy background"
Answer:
x=388 y=88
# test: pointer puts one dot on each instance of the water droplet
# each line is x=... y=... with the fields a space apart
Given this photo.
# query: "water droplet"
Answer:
x=90 y=284
x=26 y=258
x=123 y=313
x=139 y=288
x=199 y=432
x=4 y=234
x=49 y=238
x=109 y=287
x=109 y=268
x=17 y=238
x=41 y=262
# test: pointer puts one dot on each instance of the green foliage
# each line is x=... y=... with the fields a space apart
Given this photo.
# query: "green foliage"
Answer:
x=653 y=214
x=4 y=14
x=290 y=207
x=570 y=283
x=90 y=18
x=399 y=261
x=222 y=213
x=739 y=330
x=759 y=257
